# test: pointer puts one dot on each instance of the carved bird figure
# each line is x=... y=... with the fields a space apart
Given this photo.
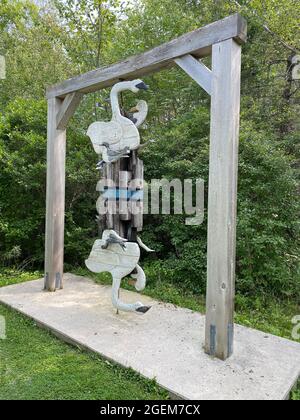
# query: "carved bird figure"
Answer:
x=139 y=113
x=119 y=257
x=120 y=133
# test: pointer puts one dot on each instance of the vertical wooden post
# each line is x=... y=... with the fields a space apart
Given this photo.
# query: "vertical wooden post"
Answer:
x=225 y=109
x=55 y=201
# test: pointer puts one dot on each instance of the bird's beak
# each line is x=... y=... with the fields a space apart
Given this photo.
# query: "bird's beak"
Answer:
x=142 y=86
x=143 y=309
x=134 y=109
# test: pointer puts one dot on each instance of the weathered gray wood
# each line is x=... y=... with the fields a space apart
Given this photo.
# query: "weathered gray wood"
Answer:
x=225 y=108
x=138 y=183
x=196 y=70
x=117 y=225
x=67 y=109
x=120 y=132
x=108 y=175
x=125 y=178
x=55 y=201
x=198 y=43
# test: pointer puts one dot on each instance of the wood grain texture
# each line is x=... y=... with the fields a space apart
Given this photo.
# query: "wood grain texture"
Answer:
x=225 y=110
x=196 y=70
x=67 y=109
x=197 y=43
x=137 y=207
x=118 y=225
x=124 y=210
x=108 y=176
x=55 y=200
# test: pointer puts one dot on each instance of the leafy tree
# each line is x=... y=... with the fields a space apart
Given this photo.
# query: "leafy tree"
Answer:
x=23 y=186
x=50 y=43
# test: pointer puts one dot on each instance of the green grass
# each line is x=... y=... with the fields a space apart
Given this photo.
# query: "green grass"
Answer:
x=10 y=276
x=35 y=365
x=42 y=362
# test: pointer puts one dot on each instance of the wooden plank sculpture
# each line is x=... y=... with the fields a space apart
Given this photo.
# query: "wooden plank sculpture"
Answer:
x=117 y=141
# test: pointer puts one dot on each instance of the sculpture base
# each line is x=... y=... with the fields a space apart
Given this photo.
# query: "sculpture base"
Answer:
x=165 y=343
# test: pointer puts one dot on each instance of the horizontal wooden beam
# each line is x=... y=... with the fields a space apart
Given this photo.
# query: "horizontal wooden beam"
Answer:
x=197 y=43
x=67 y=109
x=196 y=70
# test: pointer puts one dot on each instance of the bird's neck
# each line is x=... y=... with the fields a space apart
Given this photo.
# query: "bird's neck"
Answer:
x=114 y=97
x=115 y=107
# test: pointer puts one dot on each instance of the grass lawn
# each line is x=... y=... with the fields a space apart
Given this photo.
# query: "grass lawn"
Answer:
x=35 y=365
x=32 y=360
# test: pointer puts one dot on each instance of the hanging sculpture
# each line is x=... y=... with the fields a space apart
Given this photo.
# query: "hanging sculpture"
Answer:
x=120 y=258
x=117 y=141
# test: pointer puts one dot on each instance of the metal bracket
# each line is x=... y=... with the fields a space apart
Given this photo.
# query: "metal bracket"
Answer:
x=213 y=332
x=57 y=281
x=46 y=280
x=230 y=339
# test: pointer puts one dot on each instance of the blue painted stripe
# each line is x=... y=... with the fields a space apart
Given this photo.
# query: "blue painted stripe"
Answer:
x=122 y=194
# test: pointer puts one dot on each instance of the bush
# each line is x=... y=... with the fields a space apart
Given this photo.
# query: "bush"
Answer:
x=268 y=207
x=267 y=244
x=23 y=187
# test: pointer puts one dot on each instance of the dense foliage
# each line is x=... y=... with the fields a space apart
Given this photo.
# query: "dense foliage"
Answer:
x=45 y=44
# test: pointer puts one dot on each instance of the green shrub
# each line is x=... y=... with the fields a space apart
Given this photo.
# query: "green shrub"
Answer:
x=267 y=245
x=268 y=208
x=23 y=187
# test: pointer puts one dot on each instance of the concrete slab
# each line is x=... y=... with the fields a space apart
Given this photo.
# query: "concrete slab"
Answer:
x=165 y=343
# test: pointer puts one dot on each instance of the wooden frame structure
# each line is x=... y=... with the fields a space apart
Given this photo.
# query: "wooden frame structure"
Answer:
x=222 y=40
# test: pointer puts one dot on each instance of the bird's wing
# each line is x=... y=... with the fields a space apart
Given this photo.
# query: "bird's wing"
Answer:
x=104 y=132
x=130 y=135
x=101 y=260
